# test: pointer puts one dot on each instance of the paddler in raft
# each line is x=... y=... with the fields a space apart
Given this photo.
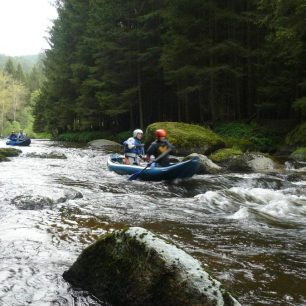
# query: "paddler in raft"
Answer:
x=12 y=136
x=158 y=147
x=133 y=148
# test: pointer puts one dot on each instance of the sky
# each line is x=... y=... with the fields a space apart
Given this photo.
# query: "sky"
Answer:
x=24 y=26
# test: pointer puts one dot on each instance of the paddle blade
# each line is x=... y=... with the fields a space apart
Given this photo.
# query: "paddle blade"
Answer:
x=134 y=176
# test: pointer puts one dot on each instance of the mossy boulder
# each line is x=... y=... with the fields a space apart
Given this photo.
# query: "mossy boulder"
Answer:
x=3 y=158
x=135 y=267
x=297 y=137
x=299 y=154
x=8 y=152
x=206 y=165
x=187 y=138
x=223 y=155
x=236 y=161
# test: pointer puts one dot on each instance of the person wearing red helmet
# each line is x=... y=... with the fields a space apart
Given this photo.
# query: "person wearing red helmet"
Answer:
x=159 y=146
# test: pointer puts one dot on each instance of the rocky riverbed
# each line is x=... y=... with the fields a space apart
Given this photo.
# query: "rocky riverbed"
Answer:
x=248 y=229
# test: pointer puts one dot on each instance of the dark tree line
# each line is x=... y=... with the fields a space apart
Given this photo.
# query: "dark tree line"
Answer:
x=118 y=64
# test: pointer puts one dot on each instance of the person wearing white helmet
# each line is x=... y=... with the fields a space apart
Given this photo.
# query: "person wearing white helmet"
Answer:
x=133 y=148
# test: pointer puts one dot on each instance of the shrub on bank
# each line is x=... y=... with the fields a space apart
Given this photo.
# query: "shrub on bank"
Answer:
x=87 y=136
x=248 y=137
x=297 y=137
x=299 y=154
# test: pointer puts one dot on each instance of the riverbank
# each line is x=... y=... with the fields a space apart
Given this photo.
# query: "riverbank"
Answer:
x=267 y=137
x=87 y=136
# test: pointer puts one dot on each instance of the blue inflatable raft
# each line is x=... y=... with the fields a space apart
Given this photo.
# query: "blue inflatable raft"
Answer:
x=180 y=170
x=24 y=142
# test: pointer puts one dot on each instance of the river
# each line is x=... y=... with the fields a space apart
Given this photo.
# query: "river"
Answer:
x=249 y=230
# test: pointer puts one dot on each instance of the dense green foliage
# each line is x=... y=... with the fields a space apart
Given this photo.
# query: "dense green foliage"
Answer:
x=248 y=136
x=297 y=137
x=118 y=65
x=299 y=154
x=26 y=62
x=18 y=95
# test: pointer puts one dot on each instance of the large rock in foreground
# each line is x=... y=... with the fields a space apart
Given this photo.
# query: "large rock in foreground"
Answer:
x=187 y=138
x=135 y=267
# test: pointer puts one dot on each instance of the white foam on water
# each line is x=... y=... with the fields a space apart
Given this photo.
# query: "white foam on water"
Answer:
x=242 y=213
x=275 y=203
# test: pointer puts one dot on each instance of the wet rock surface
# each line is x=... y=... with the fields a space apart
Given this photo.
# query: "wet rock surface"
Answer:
x=103 y=143
x=32 y=202
x=249 y=162
x=49 y=155
x=135 y=267
x=206 y=165
x=8 y=152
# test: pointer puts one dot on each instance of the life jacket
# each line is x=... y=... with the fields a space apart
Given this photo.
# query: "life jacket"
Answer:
x=137 y=147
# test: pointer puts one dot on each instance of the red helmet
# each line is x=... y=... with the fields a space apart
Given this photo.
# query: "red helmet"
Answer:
x=160 y=133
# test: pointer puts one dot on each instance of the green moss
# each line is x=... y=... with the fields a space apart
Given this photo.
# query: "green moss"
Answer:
x=3 y=158
x=10 y=152
x=225 y=154
x=186 y=136
x=299 y=154
x=297 y=137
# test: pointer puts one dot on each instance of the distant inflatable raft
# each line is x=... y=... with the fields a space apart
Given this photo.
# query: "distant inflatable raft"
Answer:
x=181 y=170
x=22 y=143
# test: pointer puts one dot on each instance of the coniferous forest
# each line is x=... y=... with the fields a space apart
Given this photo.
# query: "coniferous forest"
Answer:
x=19 y=89
x=121 y=64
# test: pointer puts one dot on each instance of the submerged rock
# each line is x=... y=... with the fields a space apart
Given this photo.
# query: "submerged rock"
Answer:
x=206 y=165
x=50 y=155
x=135 y=267
x=8 y=152
x=187 y=138
x=32 y=202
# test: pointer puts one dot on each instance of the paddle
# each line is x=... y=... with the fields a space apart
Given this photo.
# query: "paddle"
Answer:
x=136 y=175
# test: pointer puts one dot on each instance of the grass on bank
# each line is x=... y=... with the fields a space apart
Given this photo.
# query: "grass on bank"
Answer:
x=84 y=137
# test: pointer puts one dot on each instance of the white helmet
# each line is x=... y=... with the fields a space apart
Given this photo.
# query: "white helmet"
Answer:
x=138 y=131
